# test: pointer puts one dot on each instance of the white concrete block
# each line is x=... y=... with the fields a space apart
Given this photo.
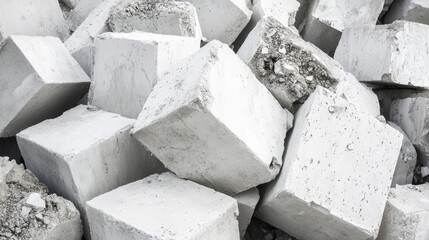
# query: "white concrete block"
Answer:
x=326 y=20
x=81 y=11
x=222 y=19
x=387 y=54
x=246 y=207
x=127 y=66
x=39 y=79
x=336 y=173
x=409 y=10
x=163 y=207
x=33 y=18
x=200 y=121
x=282 y=11
x=84 y=153
x=407 y=214
x=291 y=68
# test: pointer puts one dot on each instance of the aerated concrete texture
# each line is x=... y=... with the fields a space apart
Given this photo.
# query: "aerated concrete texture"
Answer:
x=407 y=214
x=291 y=68
x=222 y=19
x=33 y=18
x=326 y=20
x=211 y=121
x=246 y=206
x=128 y=65
x=81 y=11
x=387 y=54
x=409 y=10
x=336 y=173
x=39 y=79
x=84 y=153
x=28 y=212
x=163 y=207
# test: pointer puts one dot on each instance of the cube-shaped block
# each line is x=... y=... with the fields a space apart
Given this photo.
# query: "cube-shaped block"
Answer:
x=409 y=10
x=127 y=66
x=407 y=214
x=211 y=121
x=387 y=54
x=39 y=79
x=336 y=172
x=246 y=207
x=163 y=207
x=84 y=153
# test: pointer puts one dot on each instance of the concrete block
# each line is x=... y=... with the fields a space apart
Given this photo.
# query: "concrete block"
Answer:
x=33 y=18
x=39 y=79
x=71 y=3
x=336 y=172
x=81 y=11
x=127 y=66
x=282 y=11
x=291 y=68
x=407 y=213
x=326 y=20
x=222 y=19
x=203 y=114
x=409 y=10
x=246 y=207
x=84 y=153
x=163 y=207
x=387 y=54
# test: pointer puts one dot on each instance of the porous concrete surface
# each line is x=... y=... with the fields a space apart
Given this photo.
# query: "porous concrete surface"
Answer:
x=387 y=54
x=28 y=211
x=336 y=173
x=84 y=153
x=407 y=214
x=211 y=113
x=409 y=10
x=291 y=68
x=39 y=79
x=128 y=65
x=163 y=207
x=246 y=207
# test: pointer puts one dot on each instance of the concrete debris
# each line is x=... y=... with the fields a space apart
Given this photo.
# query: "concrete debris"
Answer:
x=246 y=206
x=409 y=10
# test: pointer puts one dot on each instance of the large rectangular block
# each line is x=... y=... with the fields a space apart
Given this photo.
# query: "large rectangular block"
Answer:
x=84 y=153
x=128 y=65
x=163 y=207
x=39 y=79
x=409 y=10
x=336 y=172
x=387 y=54
x=211 y=121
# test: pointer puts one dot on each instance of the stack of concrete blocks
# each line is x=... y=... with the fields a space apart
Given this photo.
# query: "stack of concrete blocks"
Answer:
x=409 y=10
x=246 y=207
x=84 y=153
x=336 y=172
x=291 y=68
x=39 y=79
x=128 y=65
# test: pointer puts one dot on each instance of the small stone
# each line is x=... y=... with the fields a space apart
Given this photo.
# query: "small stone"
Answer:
x=35 y=200
x=25 y=211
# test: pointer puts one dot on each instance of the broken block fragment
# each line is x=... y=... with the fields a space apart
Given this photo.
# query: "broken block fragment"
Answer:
x=163 y=207
x=39 y=79
x=336 y=172
x=127 y=66
x=291 y=68
x=211 y=113
x=387 y=54
x=409 y=10
x=246 y=207
x=84 y=153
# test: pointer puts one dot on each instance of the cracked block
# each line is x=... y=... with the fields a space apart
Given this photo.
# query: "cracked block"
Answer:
x=39 y=79
x=408 y=10
x=336 y=172
x=246 y=206
x=203 y=114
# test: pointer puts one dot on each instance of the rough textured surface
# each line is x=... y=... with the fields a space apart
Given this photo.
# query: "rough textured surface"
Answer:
x=27 y=211
x=246 y=206
x=409 y=10
x=143 y=210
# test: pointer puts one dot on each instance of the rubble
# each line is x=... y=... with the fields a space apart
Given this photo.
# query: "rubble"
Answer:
x=409 y=10
x=246 y=207
x=27 y=211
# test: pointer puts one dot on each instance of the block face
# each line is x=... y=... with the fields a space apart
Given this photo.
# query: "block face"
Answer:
x=128 y=65
x=246 y=207
x=142 y=210
x=201 y=90
x=409 y=10
x=336 y=172
x=282 y=11
x=386 y=54
x=82 y=10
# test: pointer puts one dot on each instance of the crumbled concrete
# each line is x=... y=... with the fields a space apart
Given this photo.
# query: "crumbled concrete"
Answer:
x=408 y=10
x=39 y=79
x=246 y=207
x=84 y=153
x=387 y=54
x=291 y=68
x=336 y=172
x=81 y=11
x=407 y=214
x=203 y=114
x=128 y=65
x=27 y=211
x=163 y=207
